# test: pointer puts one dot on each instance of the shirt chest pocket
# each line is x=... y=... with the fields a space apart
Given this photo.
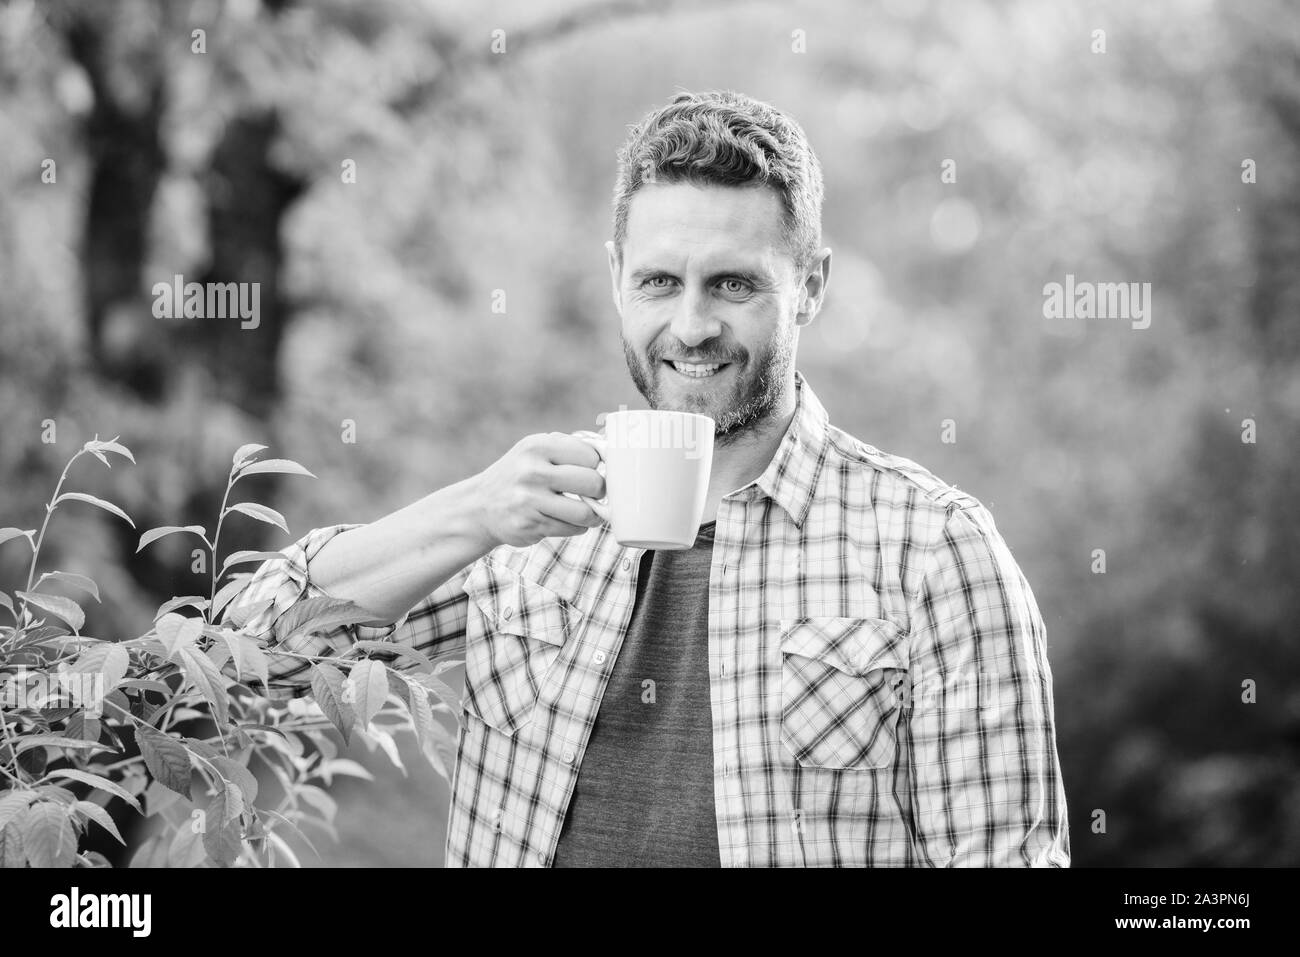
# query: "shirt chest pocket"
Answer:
x=841 y=691
x=514 y=636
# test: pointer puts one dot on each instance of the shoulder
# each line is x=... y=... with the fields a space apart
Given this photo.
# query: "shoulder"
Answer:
x=897 y=478
x=939 y=522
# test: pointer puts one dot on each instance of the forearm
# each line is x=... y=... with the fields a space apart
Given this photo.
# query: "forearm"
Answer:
x=389 y=565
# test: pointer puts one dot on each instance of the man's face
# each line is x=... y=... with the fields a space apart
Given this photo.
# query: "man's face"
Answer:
x=710 y=301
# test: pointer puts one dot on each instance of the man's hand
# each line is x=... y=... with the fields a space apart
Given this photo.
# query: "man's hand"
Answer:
x=520 y=499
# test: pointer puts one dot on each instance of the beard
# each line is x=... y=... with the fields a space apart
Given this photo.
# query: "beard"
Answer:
x=736 y=409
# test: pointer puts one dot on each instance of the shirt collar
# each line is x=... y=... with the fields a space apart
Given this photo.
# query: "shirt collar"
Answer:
x=791 y=477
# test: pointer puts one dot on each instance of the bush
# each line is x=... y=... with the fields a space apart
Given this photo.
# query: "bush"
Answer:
x=168 y=724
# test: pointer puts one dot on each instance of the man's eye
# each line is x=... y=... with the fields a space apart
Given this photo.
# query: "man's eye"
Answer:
x=734 y=287
x=658 y=282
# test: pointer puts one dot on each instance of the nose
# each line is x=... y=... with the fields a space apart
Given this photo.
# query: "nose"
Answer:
x=694 y=322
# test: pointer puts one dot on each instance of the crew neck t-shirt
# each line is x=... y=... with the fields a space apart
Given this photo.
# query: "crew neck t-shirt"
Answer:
x=644 y=793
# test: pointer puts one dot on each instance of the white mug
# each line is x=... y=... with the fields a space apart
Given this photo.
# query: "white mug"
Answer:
x=656 y=466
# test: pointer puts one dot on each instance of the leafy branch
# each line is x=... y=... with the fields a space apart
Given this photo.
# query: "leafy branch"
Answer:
x=117 y=719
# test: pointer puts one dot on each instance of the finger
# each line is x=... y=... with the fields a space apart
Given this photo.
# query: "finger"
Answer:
x=596 y=441
x=601 y=509
x=578 y=479
x=562 y=449
x=556 y=528
x=573 y=511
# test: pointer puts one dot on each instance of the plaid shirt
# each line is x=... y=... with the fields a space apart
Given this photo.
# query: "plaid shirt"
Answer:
x=880 y=687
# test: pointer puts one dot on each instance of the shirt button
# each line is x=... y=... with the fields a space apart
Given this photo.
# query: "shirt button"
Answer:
x=541 y=859
x=598 y=657
x=506 y=612
x=627 y=564
x=722 y=669
x=568 y=757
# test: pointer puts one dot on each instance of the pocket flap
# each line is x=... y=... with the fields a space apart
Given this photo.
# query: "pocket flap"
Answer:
x=852 y=645
x=516 y=606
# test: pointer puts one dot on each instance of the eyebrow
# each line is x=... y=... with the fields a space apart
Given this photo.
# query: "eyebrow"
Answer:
x=758 y=280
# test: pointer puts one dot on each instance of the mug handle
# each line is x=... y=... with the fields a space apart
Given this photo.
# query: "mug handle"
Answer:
x=597 y=442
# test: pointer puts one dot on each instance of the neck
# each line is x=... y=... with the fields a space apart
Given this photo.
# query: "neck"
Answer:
x=744 y=457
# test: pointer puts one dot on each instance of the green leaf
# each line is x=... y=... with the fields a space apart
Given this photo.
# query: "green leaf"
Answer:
x=417 y=705
x=272 y=836
x=13 y=804
x=80 y=582
x=58 y=741
x=56 y=605
x=369 y=681
x=219 y=654
x=255 y=660
x=327 y=688
x=95 y=781
x=202 y=748
x=48 y=837
x=186 y=848
x=446 y=693
x=97 y=502
x=240 y=558
x=318 y=614
x=440 y=752
x=83 y=727
x=222 y=838
x=8 y=603
x=392 y=648
x=344 y=766
x=11 y=847
x=238 y=775
x=151 y=536
x=318 y=799
x=146 y=684
x=101 y=817
x=157 y=798
x=111 y=445
x=374 y=735
x=176 y=632
x=282 y=466
x=110 y=660
x=260 y=512
x=203 y=674
x=227 y=593
x=9 y=533
x=198 y=601
x=243 y=651
x=232 y=802
x=166 y=758
x=152 y=853
x=244 y=451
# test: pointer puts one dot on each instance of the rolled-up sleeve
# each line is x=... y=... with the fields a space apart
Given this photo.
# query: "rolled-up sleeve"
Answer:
x=986 y=787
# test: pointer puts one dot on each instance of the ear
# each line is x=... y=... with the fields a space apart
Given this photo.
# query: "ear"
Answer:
x=813 y=291
x=615 y=274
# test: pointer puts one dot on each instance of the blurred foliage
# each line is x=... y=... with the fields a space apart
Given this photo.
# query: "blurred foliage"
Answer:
x=479 y=172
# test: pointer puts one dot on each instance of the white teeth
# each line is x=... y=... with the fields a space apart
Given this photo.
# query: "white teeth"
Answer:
x=696 y=371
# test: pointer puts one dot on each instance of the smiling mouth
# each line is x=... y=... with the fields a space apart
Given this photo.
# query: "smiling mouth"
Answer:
x=696 y=370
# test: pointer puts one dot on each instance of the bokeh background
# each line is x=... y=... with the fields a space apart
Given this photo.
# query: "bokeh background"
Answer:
x=479 y=171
